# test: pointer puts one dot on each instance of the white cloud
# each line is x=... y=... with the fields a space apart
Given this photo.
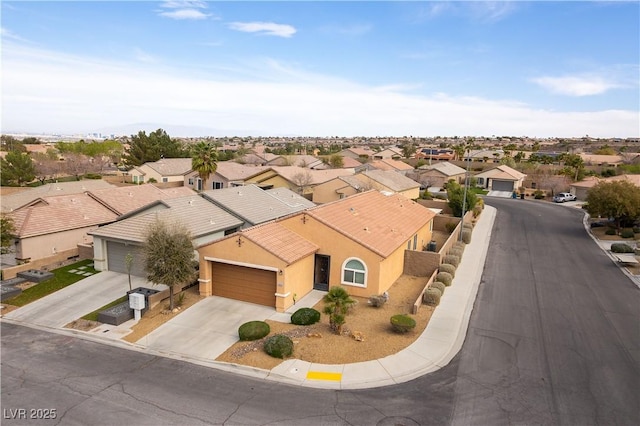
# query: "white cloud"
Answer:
x=181 y=10
x=5 y=33
x=491 y=11
x=44 y=91
x=576 y=85
x=264 y=28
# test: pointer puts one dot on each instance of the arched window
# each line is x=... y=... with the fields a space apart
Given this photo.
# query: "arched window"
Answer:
x=354 y=272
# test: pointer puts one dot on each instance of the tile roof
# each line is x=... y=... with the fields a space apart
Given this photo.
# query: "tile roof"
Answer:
x=290 y=198
x=171 y=166
x=232 y=170
x=502 y=172
x=200 y=216
x=445 y=167
x=13 y=201
x=379 y=222
x=391 y=179
x=389 y=164
x=280 y=241
x=317 y=176
x=250 y=203
x=128 y=198
x=60 y=213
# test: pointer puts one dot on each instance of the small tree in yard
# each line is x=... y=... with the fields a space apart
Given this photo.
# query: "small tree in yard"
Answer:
x=619 y=200
x=455 y=194
x=337 y=303
x=7 y=230
x=168 y=255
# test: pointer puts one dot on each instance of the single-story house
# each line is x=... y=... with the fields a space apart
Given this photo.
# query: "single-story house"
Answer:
x=393 y=165
x=380 y=180
x=358 y=242
x=305 y=161
x=501 y=178
x=253 y=205
x=297 y=179
x=388 y=154
x=581 y=188
x=228 y=174
x=125 y=199
x=205 y=221
x=437 y=174
x=363 y=154
x=601 y=160
x=438 y=154
x=162 y=171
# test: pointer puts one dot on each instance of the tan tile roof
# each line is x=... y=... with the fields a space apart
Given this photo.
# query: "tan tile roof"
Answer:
x=348 y=162
x=502 y=172
x=171 y=166
x=445 y=167
x=60 y=213
x=634 y=179
x=389 y=164
x=280 y=241
x=379 y=222
x=317 y=176
x=232 y=170
x=391 y=179
x=128 y=198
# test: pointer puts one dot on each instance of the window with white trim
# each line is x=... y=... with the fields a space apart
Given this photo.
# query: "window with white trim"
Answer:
x=218 y=185
x=354 y=272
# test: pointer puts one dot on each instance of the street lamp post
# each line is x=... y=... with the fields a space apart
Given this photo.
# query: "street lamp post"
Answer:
x=464 y=197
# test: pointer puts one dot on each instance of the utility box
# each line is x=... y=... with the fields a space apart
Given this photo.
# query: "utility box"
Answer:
x=136 y=301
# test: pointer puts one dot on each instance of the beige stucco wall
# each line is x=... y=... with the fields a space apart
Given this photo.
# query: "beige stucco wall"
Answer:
x=42 y=246
x=297 y=282
x=326 y=192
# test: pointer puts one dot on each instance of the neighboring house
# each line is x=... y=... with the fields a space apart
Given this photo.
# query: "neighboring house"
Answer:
x=394 y=165
x=205 y=222
x=484 y=155
x=501 y=178
x=362 y=154
x=581 y=188
x=162 y=171
x=437 y=174
x=358 y=242
x=13 y=201
x=297 y=179
x=388 y=154
x=305 y=161
x=51 y=225
x=253 y=205
x=437 y=154
x=228 y=174
x=380 y=180
x=602 y=160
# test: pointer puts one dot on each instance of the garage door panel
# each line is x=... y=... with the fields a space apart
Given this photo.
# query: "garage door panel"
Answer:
x=116 y=253
x=242 y=283
x=502 y=185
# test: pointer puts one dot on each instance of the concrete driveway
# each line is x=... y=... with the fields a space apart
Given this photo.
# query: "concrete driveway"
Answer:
x=72 y=302
x=206 y=329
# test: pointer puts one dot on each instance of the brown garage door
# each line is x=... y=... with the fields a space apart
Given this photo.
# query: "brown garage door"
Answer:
x=246 y=284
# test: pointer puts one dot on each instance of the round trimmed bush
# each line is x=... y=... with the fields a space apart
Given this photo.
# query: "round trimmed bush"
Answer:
x=253 y=330
x=466 y=236
x=451 y=259
x=305 y=316
x=446 y=267
x=402 y=323
x=456 y=252
x=439 y=285
x=610 y=231
x=445 y=278
x=279 y=346
x=459 y=245
x=432 y=296
x=467 y=225
x=621 y=248
x=636 y=229
x=627 y=233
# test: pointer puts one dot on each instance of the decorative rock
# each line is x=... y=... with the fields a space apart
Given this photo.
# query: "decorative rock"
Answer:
x=314 y=335
x=357 y=336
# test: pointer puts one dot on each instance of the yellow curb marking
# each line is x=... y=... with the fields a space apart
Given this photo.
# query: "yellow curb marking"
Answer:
x=321 y=375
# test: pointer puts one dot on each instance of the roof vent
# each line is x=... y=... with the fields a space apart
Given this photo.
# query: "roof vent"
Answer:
x=212 y=222
x=190 y=202
x=130 y=194
x=366 y=228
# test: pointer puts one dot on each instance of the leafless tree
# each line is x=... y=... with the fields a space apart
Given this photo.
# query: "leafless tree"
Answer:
x=302 y=179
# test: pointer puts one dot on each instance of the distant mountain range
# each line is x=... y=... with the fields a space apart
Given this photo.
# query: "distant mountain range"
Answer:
x=174 y=130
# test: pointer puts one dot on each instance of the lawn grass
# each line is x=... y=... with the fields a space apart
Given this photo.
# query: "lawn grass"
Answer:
x=93 y=316
x=479 y=191
x=61 y=279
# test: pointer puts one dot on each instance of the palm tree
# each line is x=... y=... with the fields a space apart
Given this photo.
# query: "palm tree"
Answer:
x=337 y=303
x=203 y=160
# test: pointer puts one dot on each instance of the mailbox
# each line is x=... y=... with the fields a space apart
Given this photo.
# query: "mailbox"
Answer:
x=136 y=301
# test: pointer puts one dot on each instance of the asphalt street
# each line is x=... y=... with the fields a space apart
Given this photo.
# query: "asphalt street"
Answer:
x=554 y=338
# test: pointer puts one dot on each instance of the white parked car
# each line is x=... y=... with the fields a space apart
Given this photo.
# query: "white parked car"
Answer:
x=564 y=196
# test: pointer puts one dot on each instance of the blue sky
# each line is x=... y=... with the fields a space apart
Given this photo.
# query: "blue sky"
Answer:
x=538 y=69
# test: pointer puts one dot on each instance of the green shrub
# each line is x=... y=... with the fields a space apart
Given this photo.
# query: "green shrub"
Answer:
x=456 y=252
x=538 y=195
x=459 y=245
x=610 y=231
x=445 y=278
x=466 y=236
x=467 y=225
x=627 y=233
x=439 y=285
x=621 y=248
x=305 y=316
x=432 y=296
x=378 y=300
x=451 y=259
x=92 y=176
x=253 y=330
x=402 y=323
x=636 y=229
x=448 y=268
x=279 y=346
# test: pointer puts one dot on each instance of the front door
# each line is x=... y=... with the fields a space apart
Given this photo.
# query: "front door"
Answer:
x=321 y=273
